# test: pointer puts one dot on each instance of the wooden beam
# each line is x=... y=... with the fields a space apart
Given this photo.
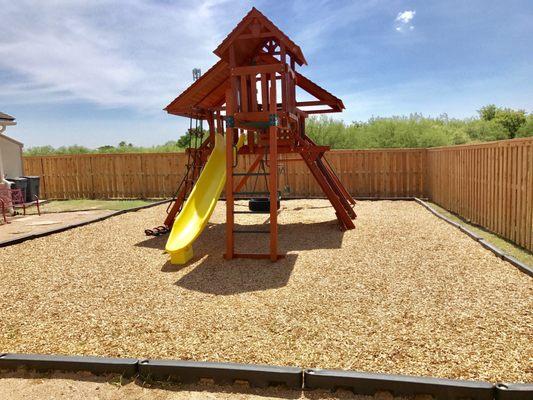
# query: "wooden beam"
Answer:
x=246 y=36
x=257 y=69
x=257 y=256
x=321 y=111
x=311 y=103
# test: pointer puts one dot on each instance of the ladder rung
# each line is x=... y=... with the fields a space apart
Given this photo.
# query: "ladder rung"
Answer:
x=244 y=212
x=249 y=193
x=250 y=174
x=250 y=231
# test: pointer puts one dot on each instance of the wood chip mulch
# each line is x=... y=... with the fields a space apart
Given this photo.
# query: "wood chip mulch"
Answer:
x=403 y=293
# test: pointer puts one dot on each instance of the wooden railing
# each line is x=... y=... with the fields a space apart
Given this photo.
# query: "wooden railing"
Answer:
x=490 y=184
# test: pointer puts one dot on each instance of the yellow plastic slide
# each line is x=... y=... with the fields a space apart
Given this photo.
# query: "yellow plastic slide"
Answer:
x=198 y=208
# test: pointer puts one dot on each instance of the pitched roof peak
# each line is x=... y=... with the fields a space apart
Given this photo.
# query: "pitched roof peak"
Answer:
x=270 y=29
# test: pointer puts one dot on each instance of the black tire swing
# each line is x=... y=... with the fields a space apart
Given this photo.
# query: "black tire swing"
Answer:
x=261 y=205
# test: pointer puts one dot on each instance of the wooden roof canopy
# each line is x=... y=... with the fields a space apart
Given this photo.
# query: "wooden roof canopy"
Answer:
x=248 y=37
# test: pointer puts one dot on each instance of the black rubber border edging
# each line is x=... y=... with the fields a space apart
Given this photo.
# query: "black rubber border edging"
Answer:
x=32 y=236
x=264 y=375
x=399 y=385
x=514 y=391
x=98 y=365
x=489 y=246
x=222 y=373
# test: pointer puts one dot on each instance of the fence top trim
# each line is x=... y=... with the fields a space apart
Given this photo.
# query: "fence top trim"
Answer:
x=497 y=143
x=170 y=153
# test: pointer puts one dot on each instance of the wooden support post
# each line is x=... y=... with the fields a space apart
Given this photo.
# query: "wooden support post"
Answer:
x=283 y=59
x=244 y=94
x=273 y=170
x=264 y=92
x=231 y=108
x=211 y=123
x=230 y=245
x=219 y=122
x=273 y=189
x=250 y=141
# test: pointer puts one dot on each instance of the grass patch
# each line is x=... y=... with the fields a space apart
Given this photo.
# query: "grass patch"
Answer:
x=504 y=244
x=56 y=206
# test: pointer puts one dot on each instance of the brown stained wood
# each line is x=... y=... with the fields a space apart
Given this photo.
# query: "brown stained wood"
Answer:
x=489 y=184
x=106 y=175
x=264 y=92
x=273 y=189
x=244 y=94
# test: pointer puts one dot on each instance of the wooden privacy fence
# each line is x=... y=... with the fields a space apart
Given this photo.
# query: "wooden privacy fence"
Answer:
x=489 y=184
x=394 y=173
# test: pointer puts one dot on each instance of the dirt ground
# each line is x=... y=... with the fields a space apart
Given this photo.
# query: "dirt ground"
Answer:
x=83 y=386
x=403 y=293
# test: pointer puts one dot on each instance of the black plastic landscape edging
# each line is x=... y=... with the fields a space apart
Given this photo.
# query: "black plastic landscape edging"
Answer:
x=44 y=363
x=221 y=373
x=514 y=391
x=264 y=375
x=489 y=246
x=32 y=236
x=399 y=385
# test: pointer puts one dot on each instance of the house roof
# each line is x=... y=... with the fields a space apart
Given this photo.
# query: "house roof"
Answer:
x=7 y=117
x=10 y=139
x=259 y=28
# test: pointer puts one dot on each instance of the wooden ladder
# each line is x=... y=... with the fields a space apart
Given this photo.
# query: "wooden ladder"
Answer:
x=234 y=192
x=332 y=187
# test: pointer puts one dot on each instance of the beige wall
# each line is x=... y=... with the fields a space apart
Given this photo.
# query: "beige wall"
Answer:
x=11 y=157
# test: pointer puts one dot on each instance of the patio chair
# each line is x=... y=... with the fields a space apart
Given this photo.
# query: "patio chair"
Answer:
x=15 y=198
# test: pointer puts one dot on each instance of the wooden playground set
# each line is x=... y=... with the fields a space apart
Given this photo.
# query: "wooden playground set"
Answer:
x=251 y=93
x=406 y=293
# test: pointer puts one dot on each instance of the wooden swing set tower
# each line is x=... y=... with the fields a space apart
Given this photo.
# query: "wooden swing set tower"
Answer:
x=251 y=90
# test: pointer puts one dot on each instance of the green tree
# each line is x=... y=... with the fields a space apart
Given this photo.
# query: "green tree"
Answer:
x=511 y=120
x=184 y=141
x=488 y=112
x=526 y=130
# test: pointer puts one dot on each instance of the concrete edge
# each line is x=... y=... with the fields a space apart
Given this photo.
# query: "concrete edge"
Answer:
x=32 y=236
x=489 y=246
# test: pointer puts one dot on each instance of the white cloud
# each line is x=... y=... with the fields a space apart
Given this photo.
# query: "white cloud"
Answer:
x=406 y=16
x=404 y=20
x=113 y=53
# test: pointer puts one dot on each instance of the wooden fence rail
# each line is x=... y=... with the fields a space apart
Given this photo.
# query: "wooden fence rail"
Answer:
x=490 y=184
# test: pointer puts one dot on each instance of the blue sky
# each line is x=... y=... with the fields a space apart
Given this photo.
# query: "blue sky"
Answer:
x=98 y=72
